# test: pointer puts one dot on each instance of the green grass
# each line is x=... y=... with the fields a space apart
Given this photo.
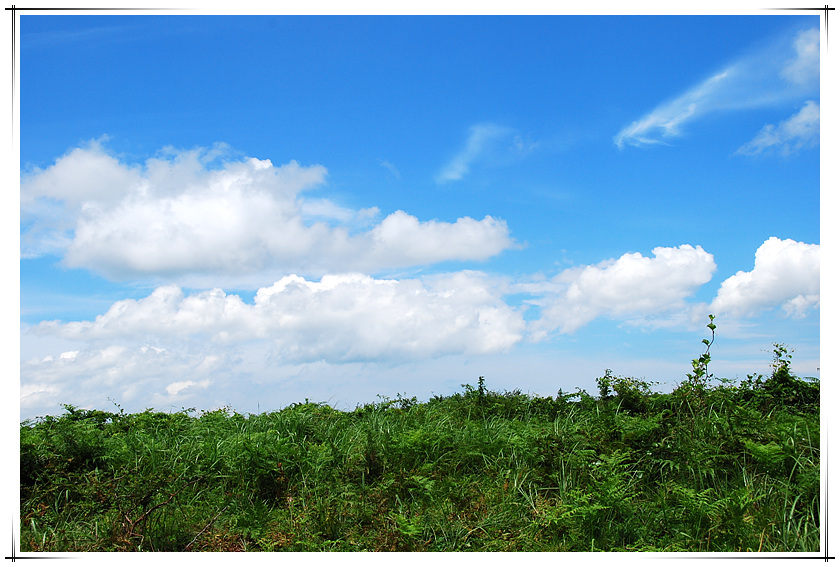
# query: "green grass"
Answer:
x=699 y=469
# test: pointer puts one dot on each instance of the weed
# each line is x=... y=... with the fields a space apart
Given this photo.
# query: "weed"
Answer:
x=703 y=468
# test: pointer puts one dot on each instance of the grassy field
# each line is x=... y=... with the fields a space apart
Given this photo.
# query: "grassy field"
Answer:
x=724 y=467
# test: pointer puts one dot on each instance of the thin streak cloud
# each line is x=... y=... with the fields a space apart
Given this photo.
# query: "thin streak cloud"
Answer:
x=800 y=131
x=782 y=72
x=487 y=143
x=481 y=135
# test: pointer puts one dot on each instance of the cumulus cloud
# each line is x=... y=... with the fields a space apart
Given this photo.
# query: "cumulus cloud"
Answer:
x=83 y=174
x=135 y=372
x=172 y=347
x=634 y=284
x=52 y=198
x=187 y=212
x=340 y=318
x=486 y=142
x=786 y=275
x=176 y=388
x=802 y=130
x=784 y=71
x=401 y=235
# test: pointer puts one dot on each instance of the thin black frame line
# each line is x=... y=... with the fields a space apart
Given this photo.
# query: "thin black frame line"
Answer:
x=751 y=556
x=824 y=465
x=824 y=520
x=14 y=557
x=14 y=10
x=14 y=67
x=825 y=9
x=85 y=9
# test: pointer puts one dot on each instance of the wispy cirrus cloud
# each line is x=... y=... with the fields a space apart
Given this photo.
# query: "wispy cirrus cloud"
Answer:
x=784 y=71
x=390 y=167
x=488 y=143
x=802 y=130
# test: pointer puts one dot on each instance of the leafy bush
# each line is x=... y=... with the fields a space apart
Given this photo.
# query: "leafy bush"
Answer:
x=724 y=468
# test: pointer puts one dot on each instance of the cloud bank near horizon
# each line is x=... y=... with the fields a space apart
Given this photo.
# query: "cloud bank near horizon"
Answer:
x=215 y=338
x=353 y=317
x=341 y=318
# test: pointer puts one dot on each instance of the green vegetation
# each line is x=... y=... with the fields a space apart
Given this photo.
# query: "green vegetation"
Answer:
x=703 y=468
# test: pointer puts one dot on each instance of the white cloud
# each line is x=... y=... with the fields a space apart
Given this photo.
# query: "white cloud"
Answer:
x=340 y=318
x=139 y=374
x=486 y=142
x=786 y=70
x=401 y=235
x=52 y=198
x=176 y=388
x=632 y=285
x=803 y=68
x=786 y=275
x=33 y=394
x=666 y=120
x=390 y=167
x=81 y=175
x=178 y=217
x=305 y=336
x=802 y=130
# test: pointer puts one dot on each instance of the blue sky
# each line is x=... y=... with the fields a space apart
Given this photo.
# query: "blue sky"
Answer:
x=254 y=210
